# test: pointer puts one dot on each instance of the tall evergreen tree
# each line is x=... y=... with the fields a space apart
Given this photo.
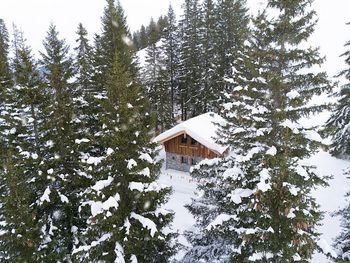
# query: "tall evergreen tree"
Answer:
x=62 y=174
x=338 y=124
x=190 y=70
x=126 y=221
x=22 y=230
x=83 y=60
x=342 y=242
x=257 y=202
x=156 y=80
x=232 y=31
x=5 y=77
x=210 y=95
x=5 y=85
x=171 y=49
x=124 y=201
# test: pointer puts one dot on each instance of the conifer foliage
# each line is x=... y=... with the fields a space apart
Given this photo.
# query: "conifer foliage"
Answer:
x=338 y=124
x=256 y=204
x=342 y=242
x=61 y=170
x=123 y=203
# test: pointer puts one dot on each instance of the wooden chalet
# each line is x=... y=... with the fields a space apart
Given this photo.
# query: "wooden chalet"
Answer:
x=192 y=141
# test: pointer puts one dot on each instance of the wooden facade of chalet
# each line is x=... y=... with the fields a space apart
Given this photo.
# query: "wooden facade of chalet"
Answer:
x=182 y=144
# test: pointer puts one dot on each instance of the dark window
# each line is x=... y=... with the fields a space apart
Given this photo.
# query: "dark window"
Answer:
x=184 y=159
x=184 y=139
x=193 y=161
x=194 y=142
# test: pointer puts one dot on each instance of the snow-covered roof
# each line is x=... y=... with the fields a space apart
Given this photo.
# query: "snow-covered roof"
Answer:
x=201 y=128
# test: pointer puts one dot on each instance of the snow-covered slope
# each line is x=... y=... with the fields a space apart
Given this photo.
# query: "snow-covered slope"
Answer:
x=330 y=199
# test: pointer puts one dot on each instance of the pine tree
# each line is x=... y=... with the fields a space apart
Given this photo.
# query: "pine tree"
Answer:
x=337 y=125
x=62 y=173
x=126 y=221
x=143 y=37
x=232 y=31
x=342 y=242
x=190 y=69
x=124 y=202
x=156 y=80
x=257 y=204
x=5 y=77
x=5 y=85
x=210 y=98
x=22 y=230
x=83 y=60
x=171 y=49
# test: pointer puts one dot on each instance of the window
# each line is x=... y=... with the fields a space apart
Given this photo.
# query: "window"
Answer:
x=183 y=139
x=194 y=142
x=184 y=160
x=193 y=161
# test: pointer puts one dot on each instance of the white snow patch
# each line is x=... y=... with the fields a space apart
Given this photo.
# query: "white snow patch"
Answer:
x=146 y=222
x=264 y=184
x=79 y=141
x=313 y=135
x=219 y=220
x=136 y=186
x=326 y=248
x=109 y=151
x=302 y=172
x=272 y=151
x=119 y=251
x=64 y=199
x=133 y=259
x=145 y=172
x=93 y=243
x=233 y=173
x=237 y=194
x=131 y=163
x=94 y=160
x=98 y=207
x=293 y=94
x=45 y=196
x=99 y=185
x=146 y=157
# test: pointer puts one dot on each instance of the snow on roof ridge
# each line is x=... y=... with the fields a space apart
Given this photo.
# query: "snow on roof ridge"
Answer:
x=202 y=128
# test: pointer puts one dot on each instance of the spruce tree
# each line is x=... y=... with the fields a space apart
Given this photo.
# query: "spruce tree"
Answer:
x=232 y=31
x=190 y=69
x=22 y=229
x=62 y=174
x=83 y=62
x=337 y=125
x=5 y=85
x=5 y=76
x=342 y=242
x=170 y=47
x=210 y=95
x=125 y=221
x=256 y=203
x=156 y=80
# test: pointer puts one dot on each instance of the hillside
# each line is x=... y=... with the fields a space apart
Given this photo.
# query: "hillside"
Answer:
x=330 y=199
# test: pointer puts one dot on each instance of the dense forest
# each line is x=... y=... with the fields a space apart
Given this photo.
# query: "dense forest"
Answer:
x=79 y=168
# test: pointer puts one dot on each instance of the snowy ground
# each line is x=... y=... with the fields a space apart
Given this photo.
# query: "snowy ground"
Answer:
x=330 y=198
